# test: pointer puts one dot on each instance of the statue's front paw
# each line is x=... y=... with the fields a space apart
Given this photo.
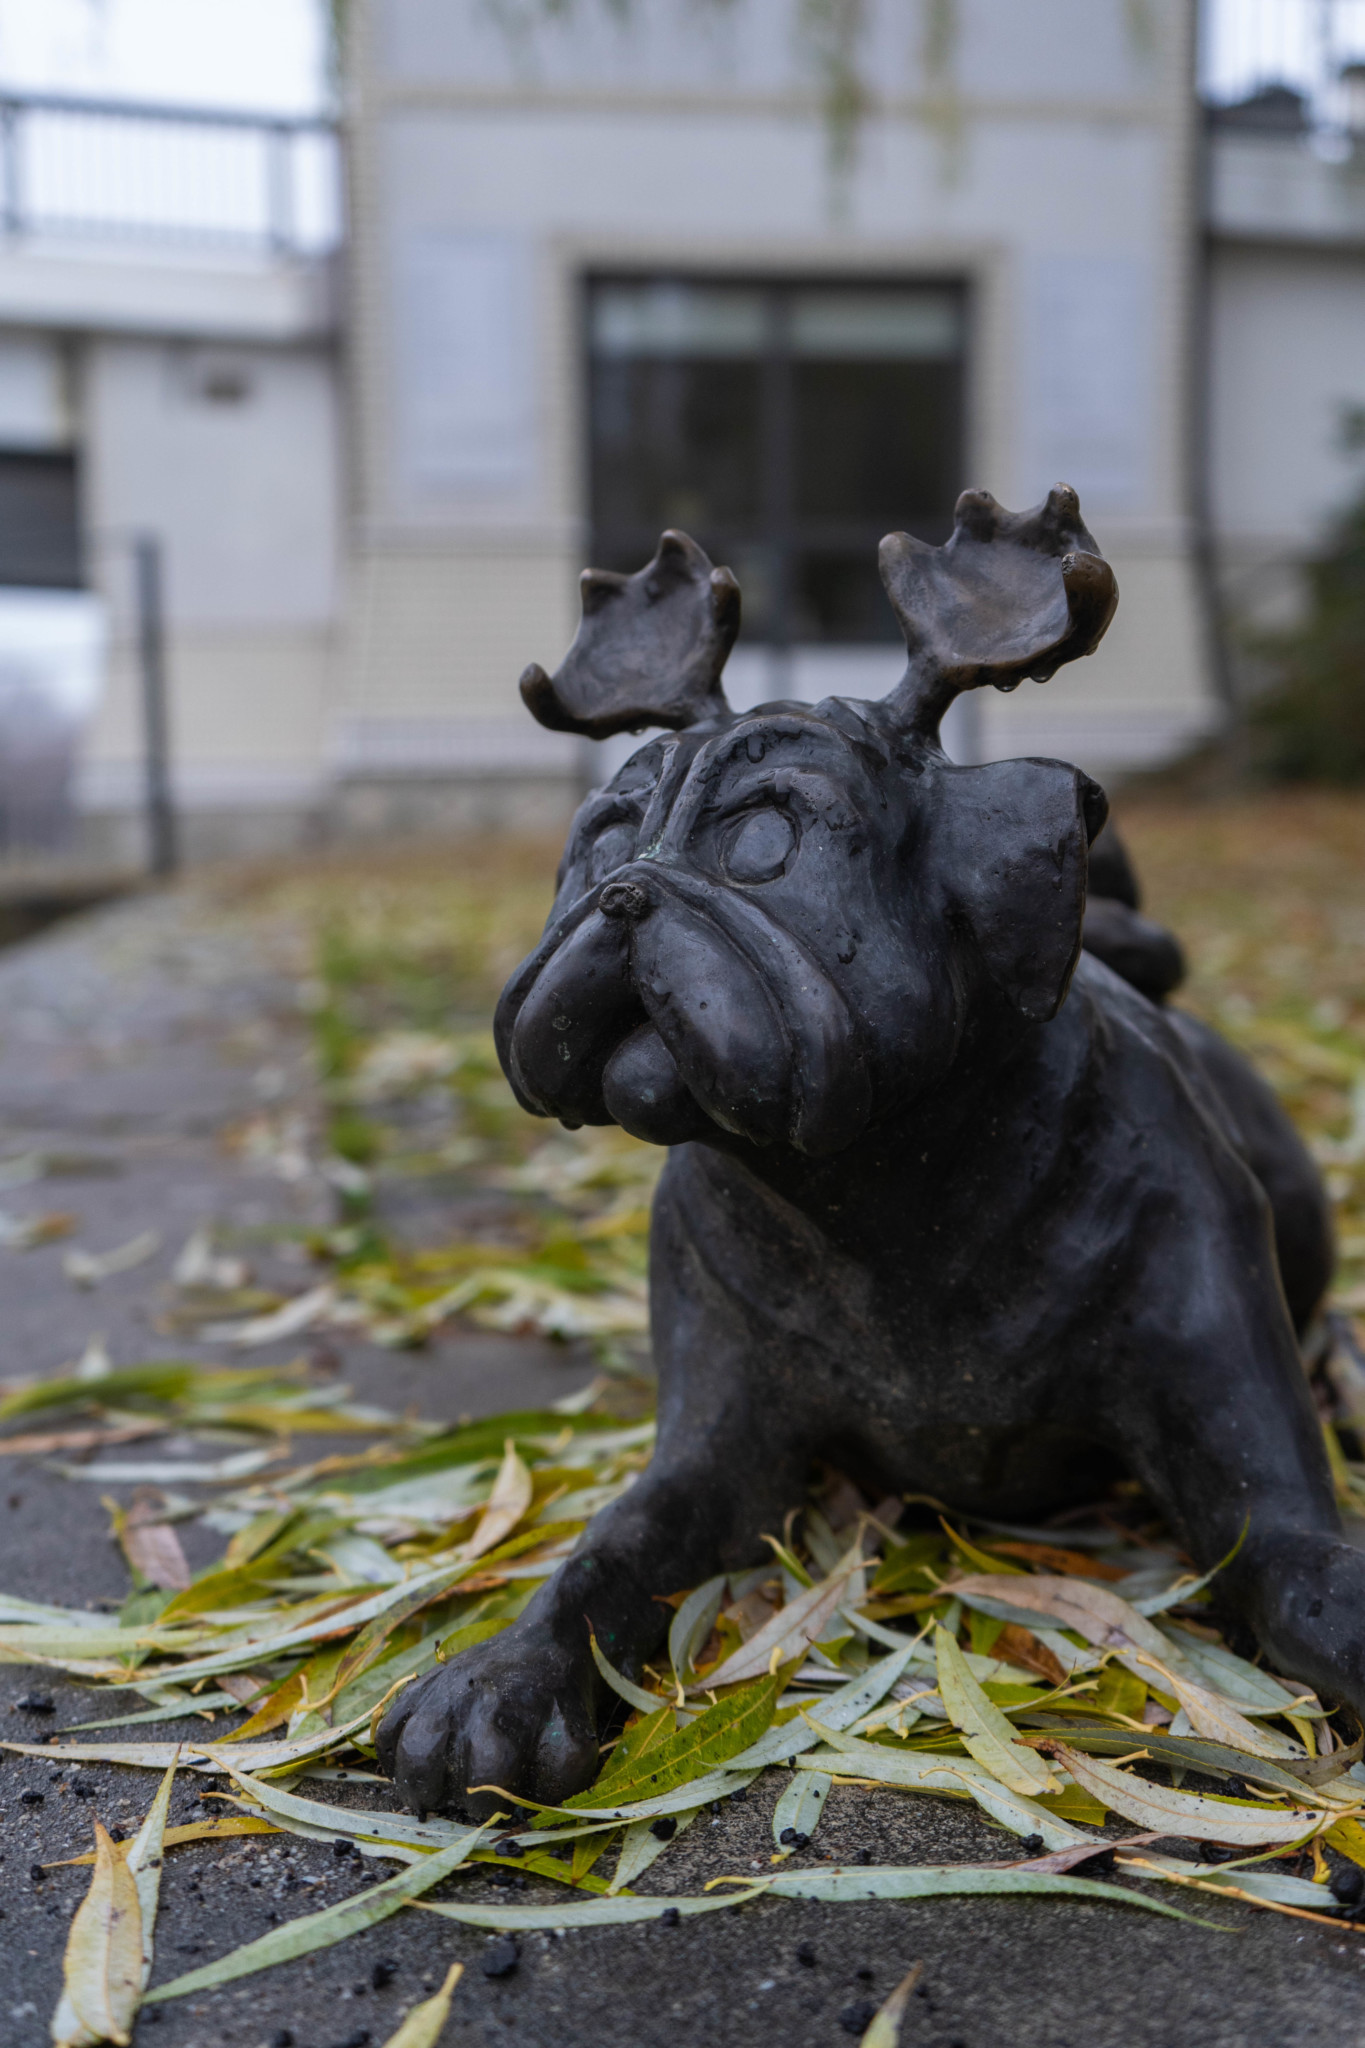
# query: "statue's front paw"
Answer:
x=517 y=1713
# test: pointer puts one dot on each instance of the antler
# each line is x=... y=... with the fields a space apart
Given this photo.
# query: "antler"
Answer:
x=1009 y=595
x=649 y=651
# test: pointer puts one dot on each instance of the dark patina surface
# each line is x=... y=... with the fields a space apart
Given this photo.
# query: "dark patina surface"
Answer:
x=950 y=1202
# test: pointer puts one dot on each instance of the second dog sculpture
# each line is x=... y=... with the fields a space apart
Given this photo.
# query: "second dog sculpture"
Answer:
x=935 y=1210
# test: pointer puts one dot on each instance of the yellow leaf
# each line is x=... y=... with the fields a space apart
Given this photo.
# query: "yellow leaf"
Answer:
x=885 y=2030
x=423 y=2024
x=989 y=1737
x=103 y=1967
x=507 y=1503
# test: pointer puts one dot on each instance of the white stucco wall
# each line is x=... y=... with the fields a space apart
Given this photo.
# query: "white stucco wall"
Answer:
x=1289 y=360
x=244 y=493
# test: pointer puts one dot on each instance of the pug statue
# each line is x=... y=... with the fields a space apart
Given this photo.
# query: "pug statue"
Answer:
x=949 y=1202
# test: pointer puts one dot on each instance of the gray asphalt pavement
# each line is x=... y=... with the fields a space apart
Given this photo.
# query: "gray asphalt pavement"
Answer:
x=131 y=1041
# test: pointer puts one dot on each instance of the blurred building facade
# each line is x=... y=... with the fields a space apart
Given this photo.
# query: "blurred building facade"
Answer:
x=168 y=316
x=609 y=274
x=606 y=278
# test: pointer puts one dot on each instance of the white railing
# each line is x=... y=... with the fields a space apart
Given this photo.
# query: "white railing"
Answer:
x=108 y=169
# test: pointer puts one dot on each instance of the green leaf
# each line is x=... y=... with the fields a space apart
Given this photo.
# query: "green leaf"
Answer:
x=801 y=1806
x=1241 y=1824
x=359 y=1823
x=711 y=1740
x=988 y=1735
x=601 y=1912
x=948 y=1880
x=323 y=1930
x=634 y=1695
x=692 y=1624
x=640 y=1847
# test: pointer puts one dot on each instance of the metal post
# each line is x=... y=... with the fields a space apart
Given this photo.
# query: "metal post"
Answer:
x=161 y=833
x=11 y=206
x=279 y=174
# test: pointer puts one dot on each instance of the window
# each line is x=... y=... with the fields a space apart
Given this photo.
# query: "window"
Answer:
x=786 y=426
x=39 y=530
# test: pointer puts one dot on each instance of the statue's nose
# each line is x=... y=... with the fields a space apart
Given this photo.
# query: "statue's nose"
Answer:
x=624 y=899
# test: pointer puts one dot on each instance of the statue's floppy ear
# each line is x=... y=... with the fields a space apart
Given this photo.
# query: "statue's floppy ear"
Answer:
x=1010 y=842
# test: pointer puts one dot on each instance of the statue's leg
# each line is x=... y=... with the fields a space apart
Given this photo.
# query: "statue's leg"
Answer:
x=1222 y=1430
x=521 y=1711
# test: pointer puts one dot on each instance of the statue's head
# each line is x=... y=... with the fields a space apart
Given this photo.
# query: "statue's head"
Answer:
x=777 y=926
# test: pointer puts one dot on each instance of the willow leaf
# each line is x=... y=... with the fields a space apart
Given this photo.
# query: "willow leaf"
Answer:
x=1237 y=1824
x=593 y=1912
x=322 y=1930
x=102 y=1971
x=422 y=2027
x=989 y=1737
x=720 y=1733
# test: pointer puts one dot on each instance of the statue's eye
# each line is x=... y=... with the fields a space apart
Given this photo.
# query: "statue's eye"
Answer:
x=612 y=849
x=761 y=847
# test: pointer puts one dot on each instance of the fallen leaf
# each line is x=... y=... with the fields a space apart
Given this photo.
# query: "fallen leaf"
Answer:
x=790 y=1632
x=1237 y=1824
x=507 y=1503
x=322 y=1930
x=885 y=2030
x=989 y=1737
x=102 y=1972
x=800 y=1807
x=423 y=2025
x=87 y=1269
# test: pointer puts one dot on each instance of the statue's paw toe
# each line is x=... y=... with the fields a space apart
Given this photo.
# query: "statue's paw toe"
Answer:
x=487 y=1730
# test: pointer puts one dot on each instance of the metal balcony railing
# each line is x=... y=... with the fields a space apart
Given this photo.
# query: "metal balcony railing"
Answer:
x=88 y=169
x=1313 y=49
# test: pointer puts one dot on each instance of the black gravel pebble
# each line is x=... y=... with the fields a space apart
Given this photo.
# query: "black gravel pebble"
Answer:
x=1033 y=1845
x=508 y=1880
x=281 y=2038
x=506 y=1846
x=31 y=1798
x=792 y=1838
x=669 y=1917
x=805 y=1953
x=35 y=1703
x=85 y=1788
x=383 y=1973
x=665 y=1827
x=344 y=1846
x=500 y=1957
x=36 y=1872
x=865 y=1974
x=1348 y=1885
x=359 y=2039
x=856 y=2019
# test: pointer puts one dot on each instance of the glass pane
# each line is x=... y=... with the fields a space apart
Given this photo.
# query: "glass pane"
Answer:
x=877 y=444
x=838 y=596
x=886 y=326
x=665 y=318
x=674 y=444
x=39 y=529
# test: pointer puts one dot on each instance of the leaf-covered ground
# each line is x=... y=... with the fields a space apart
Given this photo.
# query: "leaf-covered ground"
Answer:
x=1072 y=1686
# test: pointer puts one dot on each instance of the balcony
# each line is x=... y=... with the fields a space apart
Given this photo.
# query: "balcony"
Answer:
x=160 y=219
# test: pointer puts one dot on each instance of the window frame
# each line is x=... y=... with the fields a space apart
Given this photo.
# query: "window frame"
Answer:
x=781 y=532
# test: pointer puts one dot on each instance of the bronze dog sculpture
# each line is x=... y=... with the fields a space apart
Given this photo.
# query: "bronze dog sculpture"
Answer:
x=943 y=1206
